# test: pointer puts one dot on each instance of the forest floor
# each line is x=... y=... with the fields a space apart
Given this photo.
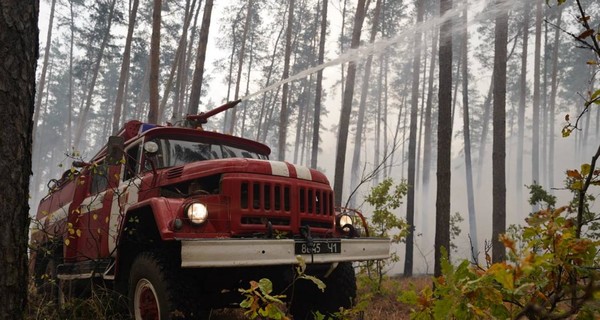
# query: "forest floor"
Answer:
x=384 y=305
x=102 y=305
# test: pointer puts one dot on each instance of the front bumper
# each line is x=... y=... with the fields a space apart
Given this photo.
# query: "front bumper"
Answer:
x=201 y=253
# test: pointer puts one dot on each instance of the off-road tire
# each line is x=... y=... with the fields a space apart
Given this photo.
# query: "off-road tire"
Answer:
x=340 y=291
x=154 y=285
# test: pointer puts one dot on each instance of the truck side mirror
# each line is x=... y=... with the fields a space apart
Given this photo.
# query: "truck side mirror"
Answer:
x=114 y=150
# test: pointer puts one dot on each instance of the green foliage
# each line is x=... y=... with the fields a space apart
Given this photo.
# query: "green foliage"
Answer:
x=386 y=197
x=539 y=196
x=552 y=275
x=260 y=302
x=455 y=230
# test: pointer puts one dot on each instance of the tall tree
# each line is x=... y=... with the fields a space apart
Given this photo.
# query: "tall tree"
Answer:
x=18 y=53
x=241 y=56
x=42 y=82
x=499 y=143
x=362 y=106
x=522 y=101
x=283 y=115
x=553 y=94
x=442 y=205
x=124 y=76
x=427 y=137
x=200 y=58
x=319 y=89
x=535 y=141
x=95 y=71
x=154 y=62
x=412 y=143
x=467 y=131
x=343 y=128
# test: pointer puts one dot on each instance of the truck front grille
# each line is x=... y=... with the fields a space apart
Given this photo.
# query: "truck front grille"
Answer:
x=284 y=203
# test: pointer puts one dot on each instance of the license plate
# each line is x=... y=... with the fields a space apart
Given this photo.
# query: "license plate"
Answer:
x=319 y=247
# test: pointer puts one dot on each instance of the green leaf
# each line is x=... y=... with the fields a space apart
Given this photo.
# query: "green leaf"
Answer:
x=265 y=285
x=595 y=95
x=247 y=303
x=408 y=297
x=320 y=284
x=586 y=168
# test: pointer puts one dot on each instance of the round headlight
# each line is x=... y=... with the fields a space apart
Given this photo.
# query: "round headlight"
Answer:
x=197 y=213
x=345 y=222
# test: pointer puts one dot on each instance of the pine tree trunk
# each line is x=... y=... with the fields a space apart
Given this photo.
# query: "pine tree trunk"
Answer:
x=442 y=215
x=262 y=115
x=200 y=58
x=499 y=143
x=522 y=102
x=553 y=95
x=42 y=81
x=283 y=115
x=71 y=58
x=340 y=158
x=412 y=144
x=241 y=57
x=88 y=100
x=319 y=89
x=154 y=62
x=427 y=139
x=360 y=123
x=124 y=76
x=19 y=25
x=535 y=124
x=177 y=67
x=467 y=134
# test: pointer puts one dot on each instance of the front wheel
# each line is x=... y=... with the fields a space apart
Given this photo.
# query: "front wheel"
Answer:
x=152 y=286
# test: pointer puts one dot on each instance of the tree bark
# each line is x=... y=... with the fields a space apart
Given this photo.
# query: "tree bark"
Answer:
x=467 y=133
x=18 y=53
x=124 y=76
x=42 y=82
x=358 y=138
x=412 y=144
x=319 y=89
x=88 y=100
x=427 y=138
x=499 y=143
x=442 y=215
x=553 y=94
x=200 y=58
x=522 y=102
x=284 y=93
x=535 y=149
x=340 y=158
x=242 y=53
x=177 y=65
x=154 y=62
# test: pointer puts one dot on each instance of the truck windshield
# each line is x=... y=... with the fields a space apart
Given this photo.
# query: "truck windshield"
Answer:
x=175 y=152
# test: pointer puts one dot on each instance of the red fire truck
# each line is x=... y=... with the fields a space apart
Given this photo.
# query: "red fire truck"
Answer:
x=178 y=218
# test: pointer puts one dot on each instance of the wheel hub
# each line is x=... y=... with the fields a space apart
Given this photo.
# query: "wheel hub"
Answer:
x=146 y=302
